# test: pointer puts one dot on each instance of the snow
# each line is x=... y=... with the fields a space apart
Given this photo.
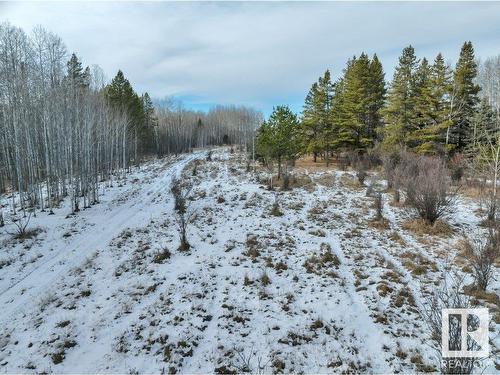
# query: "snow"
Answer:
x=87 y=287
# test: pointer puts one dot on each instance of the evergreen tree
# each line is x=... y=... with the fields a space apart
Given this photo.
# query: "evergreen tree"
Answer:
x=122 y=96
x=435 y=109
x=377 y=99
x=466 y=96
x=150 y=121
x=400 y=112
x=316 y=124
x=278 y=138
x=356 y=102
x=424 y=108
x=76 y=75
x=358 y=99
x=484 y=124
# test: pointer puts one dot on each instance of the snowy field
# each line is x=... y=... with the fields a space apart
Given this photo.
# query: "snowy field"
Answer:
x=316 y=287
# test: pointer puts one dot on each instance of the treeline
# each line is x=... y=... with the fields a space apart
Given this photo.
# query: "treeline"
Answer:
x=64 y=129
x=179 y=130
x=428 y=108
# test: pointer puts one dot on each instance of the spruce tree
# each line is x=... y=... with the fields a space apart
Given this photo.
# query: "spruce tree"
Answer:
x=400 y=112
x=432 y=136
x=466 y=97
x=484 y=124
x=278 y=138
x=377 y=99
x=355 y=103
x=121 y=95
x=424 y=108
x=76 y=75
x=316 y=124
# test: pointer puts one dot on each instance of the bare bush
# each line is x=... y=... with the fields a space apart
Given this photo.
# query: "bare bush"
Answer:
x=426 y=184
x=482 y=253
x=491 y=208
x=286 y=182
x=21 y=223
x=343 y=160
x=275 y=210
x=457 y=168
x=448 y=296
x=361 y=166
x=379 y=206
x=370 y=189
x=180 y=190
x=390 y=162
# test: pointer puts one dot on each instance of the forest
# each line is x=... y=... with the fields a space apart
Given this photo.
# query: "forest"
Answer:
x=64 y=129
x=429 y=109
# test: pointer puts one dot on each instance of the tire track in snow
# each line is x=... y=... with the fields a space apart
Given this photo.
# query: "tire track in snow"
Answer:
x=21 y=295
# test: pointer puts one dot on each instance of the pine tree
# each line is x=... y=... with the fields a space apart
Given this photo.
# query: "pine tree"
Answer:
x=424 y=108
x=341 y=134
x=400 y=112
x=436 y=109
x=122 y=96
x=76 y=75
x=316 y=119
x=466 y=96
x=377 y=99
x=311 y=126
x=150 y=120
x=484 y=124
x=278 y=138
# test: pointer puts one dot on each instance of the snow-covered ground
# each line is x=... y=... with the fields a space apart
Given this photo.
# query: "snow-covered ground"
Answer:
x=319 y=288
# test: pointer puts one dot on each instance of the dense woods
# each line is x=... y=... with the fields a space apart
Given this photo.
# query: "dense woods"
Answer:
x=64 y=129
x=429 y=108
x=179 y=129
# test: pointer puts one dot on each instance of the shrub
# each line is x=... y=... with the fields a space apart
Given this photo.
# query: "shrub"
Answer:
x=425 y=182
x=161 y=256
x=379 y=207
x=184 y=216
x=457 y=167
x=482 y=255
x=276 y=211
x=491 y=208
x=343 y=161
x=449 y=295
x=361 y=165
x=390 y=162
x=286 y=182
x=264 y=279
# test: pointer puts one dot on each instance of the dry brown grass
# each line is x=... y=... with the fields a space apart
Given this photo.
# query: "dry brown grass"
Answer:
x=302 y=180
x=308 y=163
x=383 y=289
x=380 y=224
x=325 y=179
x=417 y=264
x=396 y=237
x=489 y=297
x=475 y=189
x=421 y=227
x=349 y=181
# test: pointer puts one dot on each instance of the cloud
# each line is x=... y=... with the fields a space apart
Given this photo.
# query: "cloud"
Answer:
x=253 y=53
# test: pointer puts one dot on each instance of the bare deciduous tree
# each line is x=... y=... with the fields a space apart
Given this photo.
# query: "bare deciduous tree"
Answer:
x=180 y=190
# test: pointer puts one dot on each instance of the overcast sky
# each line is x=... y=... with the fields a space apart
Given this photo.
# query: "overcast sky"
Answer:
x=258 y=54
